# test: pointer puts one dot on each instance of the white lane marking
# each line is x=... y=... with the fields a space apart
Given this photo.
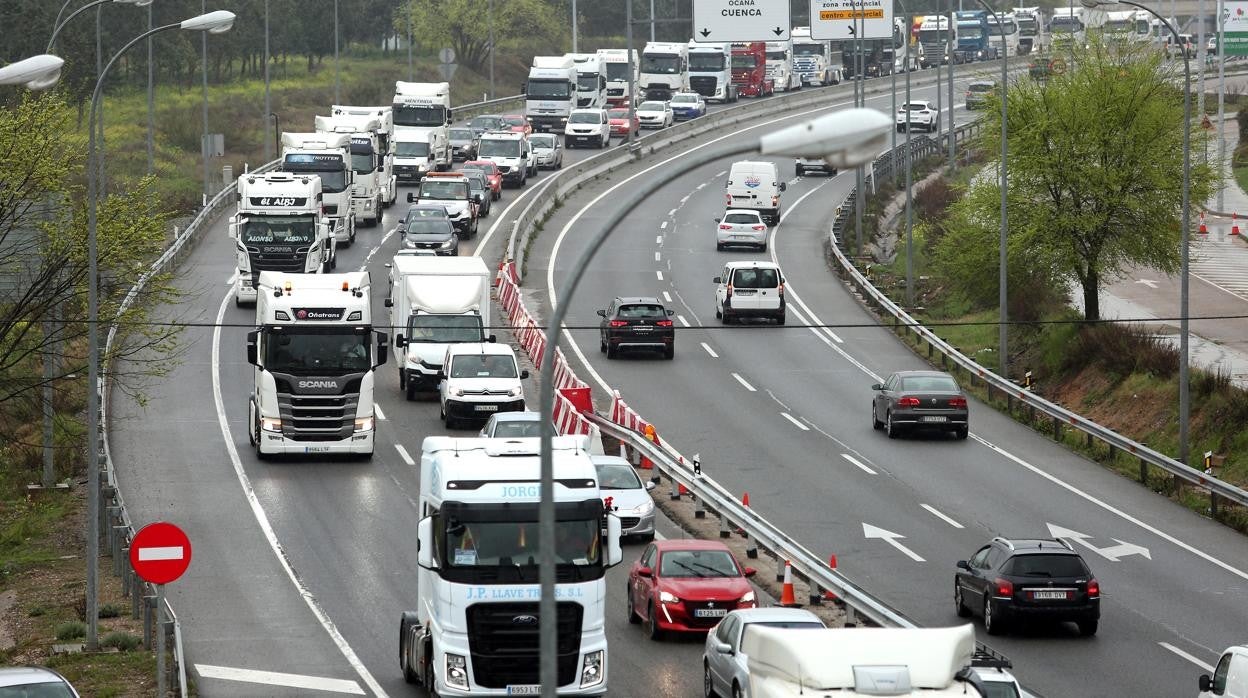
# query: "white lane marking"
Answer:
x=941 y=516
x=797 y=423
x=262 y=519
x=380 y=415
x=232 y=279
x=709 y=350
x=672 y=212
x=788 y=286
x=658 y=239
x=777 y=400
x=275 y=678
x=658 y=256
x=699 y=186
x=369 y=257
x=168 y=552
x=744 y=383
x=404 y=454
x=485 y=239
x=869 y=531
x=663 y=225
x=721 y=174
x=667 y=297
x=683 y=321
x=1188 y=657
x=684 y=198
x=398 y=485
x=658 y=274
x=863 y=466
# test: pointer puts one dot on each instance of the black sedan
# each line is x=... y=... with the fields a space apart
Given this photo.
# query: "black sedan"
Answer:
x=420 y=211
x=463 y=143
x=432 y=234
x=637 y=323
x=485 y=122
x=915 y=400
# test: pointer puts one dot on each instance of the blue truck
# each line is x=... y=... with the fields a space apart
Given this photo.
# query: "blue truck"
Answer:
x=972 y=31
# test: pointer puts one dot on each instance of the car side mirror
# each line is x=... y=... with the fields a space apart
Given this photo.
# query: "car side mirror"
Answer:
x=602 y=313
x=671 y=312
x=411 y=198
x=651 y=484
x=389 y=302
x=1206 y=683
x=441 y=375
x=963 y=565
x=723 y=648
x=718 y=220
x=784 y=186
x=749 y=571
x=645 y=572
x=491 y=339
x=400 y=341
x=524 y=373
x=717 y=280
x=252 y=338
x=877 y=386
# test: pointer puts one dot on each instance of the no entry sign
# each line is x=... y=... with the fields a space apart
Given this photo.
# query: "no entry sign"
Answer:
x=160 y=552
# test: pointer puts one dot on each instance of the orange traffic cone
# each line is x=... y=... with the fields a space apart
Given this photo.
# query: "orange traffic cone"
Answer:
x=745 y=502
x=828 y=594
x=787 y=598
x=1203 y=230
x=1234 y=224
x=646 y=463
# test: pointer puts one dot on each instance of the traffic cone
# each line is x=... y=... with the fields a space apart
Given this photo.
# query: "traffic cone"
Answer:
x=646 y=463
x=1234 y=224
x=787 y=598
x=828 y=594
x=1203 y=230
x=682 y=490
x=745 y=502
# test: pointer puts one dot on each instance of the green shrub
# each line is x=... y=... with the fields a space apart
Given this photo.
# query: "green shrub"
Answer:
x=109 y=610
x=71 y=630
x=122 y=641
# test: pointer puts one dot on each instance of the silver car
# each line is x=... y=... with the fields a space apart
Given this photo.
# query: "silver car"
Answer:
x=725 y=670
x=34 y=681
x=514 y=425
x=741 y=227
x=630 y=499
x=547 y=150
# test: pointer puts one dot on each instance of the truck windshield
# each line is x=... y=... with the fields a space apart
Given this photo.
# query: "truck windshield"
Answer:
x=777 y=55
x=279 y=230
x=499 y=148
x=706 y=62
x=971 y=32
x=933 y=36
x=995 y=30
x=419 y=115
x=1065 y=25
x=807 y=49
x=319 y=351
x=495 y=544
x=549 y=89
x=617 y=71
x=662 y=65
x=411 y=149
x=483 y=366
x=362 y=163
x=443 y=190
x=587 y=82
x=1027 y=27
x=749 y=62
x=444 y=329
x=329 y=168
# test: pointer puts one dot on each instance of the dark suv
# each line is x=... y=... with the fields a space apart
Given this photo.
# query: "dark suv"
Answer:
x=1011 y=582
x=636 y=322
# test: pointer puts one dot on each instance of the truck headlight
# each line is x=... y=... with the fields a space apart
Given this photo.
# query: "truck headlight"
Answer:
x=591 y=673
x=665 y=597
x=456 y=670
x=273 y=424
x=364 y=424
x=457 y=392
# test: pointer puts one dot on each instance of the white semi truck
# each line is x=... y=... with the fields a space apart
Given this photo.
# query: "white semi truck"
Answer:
x=279 y=227
x=314 y=351
x=814 y=63
x=618 y=68
x=433 y=302
x=848 y=662
x=422 y=119
x=710 y=71
x=327 y=156
x=1032 y=30
x=1004 y=36
x=377 y=123
x=936 y=38
x=550 y=92
x=664 y=70
x=366 y=196
x=780 y=65
x=475 y=628
x=591 y=80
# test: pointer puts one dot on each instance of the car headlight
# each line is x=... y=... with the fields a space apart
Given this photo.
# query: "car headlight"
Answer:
x=456 y=670
x=457 y=392
x=364 y=424
x=644 y=508
x=515 y=392
x=591 y=673
x=273 y=424
x=450 y=242
x=665 y=597
x=748 y=598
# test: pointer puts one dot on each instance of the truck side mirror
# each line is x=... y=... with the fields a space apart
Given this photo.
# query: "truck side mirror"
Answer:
x=450 y=116
x=783 y=186
x=424 y=543
x=252 y=338
x=411 y=198
x=524 y=373
x=389 y=302
x=614 y=554
x=233 y=230
x=400 y=341
x=382 y=345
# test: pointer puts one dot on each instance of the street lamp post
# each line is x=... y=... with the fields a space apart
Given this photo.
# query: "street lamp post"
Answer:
x=268 y=104
x=1003 y=355
x=337 y=72
x=845 y=139
x=1185 y=405
x=909 y=162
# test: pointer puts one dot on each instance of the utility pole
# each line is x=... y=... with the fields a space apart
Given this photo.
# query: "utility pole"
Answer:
x=268 y=104
x=574 y=50
x=151 y=102
x=1221 y=107
x=203 y=59
x=337 y=70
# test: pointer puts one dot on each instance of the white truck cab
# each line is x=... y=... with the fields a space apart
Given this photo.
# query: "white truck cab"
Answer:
x=328 y=156
x=591 y=80
x=478 y=380
x=710 y=71
x=664 y=70
x=279 y=227
x=422 y=114
x=551 y=91
x=618 y=68
x=372 y=154
x=780 y=65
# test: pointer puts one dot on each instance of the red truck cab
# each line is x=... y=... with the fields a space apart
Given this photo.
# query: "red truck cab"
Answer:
x=749 y=69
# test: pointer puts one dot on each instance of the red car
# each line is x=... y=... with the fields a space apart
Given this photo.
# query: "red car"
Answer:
x=492 y=176
x=517 y=123
x=686 y=586
x=619 y=122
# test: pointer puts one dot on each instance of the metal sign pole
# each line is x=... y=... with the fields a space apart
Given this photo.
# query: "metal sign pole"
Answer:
x=160 y=641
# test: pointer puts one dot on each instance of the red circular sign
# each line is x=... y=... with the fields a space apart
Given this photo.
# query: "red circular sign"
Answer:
x=160 y=552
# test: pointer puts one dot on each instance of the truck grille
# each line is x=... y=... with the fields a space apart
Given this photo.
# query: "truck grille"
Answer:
x=615 y=91
x=288 y=262
x=318 y=417
x=331 y=209
x=704 y=84
x=503 y=640
x=805 y=65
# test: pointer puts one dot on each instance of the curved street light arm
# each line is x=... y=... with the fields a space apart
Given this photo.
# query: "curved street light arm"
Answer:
x=57 y=31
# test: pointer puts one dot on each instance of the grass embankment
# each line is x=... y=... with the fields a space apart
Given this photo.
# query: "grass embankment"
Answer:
x=1123 y=377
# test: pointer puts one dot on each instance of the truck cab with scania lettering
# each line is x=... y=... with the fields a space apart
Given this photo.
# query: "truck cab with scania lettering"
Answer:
x=475 y=628
x=314 y=354
x=279 y=227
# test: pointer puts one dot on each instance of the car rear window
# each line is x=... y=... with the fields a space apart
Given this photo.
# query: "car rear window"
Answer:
x=941 y=383
x=741 y=218
x=1046 y=566
x=756 y=278
x=642 y=311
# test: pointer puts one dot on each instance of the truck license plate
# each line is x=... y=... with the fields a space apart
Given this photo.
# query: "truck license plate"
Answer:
x=487 y=408
x=527 y=690
x=710 y=612
x=930 y=418
x=316 y=449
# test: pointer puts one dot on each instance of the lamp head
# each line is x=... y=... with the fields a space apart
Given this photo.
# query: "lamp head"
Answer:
x=37 y=72
x=136 y=3
x=845 y=138
x=217 y=22
x=1090 y=4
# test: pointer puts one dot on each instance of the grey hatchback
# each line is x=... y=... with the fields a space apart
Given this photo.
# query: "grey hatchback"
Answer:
x=914 y=400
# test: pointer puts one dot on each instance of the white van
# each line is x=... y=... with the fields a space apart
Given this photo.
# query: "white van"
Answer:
x=1230 y=678
x=757 y=185
x=749 y=289
x=479 y=380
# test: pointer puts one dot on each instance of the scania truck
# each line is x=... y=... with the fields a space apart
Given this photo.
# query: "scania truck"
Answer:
x=314 y=351
x=710 y=71
x=279 y=227
x=935 y=37
x=664 y=70
x=1031 y=30
x=749 y=69
x=328 y=156
x=550 y=92
x=618 y=69
x=973 y=42
x=475 y=627
x=422 y=118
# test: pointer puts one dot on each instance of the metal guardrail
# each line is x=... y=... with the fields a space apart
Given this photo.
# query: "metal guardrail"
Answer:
x=489 y=106
x=1061 y=417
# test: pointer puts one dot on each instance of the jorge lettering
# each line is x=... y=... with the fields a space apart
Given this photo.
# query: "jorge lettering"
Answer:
x=521 y=491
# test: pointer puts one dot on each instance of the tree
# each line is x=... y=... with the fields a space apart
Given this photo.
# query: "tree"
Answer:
x=463 y=25
x=1095 y=171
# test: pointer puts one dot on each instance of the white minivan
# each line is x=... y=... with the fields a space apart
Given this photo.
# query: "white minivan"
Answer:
x=749 y=289
x=757 y=185
x=478 y=380
x=1230 y=678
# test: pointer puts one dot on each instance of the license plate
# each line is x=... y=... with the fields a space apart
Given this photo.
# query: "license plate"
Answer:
x=1042 y=595
x=316 y=449
x=746 y=292
x=527 y=690
x=486 y=408
x=642 y=328
x=740 y=237
x=710 y=612
x=934 y=419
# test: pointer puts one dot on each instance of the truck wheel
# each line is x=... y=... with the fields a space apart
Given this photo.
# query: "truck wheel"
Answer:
x=409 y=673
x=428 y=681
x=238 y=302
x=409 y=391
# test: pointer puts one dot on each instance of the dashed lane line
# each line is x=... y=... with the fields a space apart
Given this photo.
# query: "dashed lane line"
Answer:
x=744 y=383
x=934 y=512
x=682 y=320
x=797 y=423
x=1193 y=659
x=277 y=678
x=709 y=350
x=404 y=454
x=861 y=466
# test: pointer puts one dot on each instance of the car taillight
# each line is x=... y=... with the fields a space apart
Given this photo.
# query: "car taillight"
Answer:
x=729 y=199
x=1094 y=589
x=617 y=323
x=1004 y=587
x=959 y=402
x=775 y=200
x=729 y=293
x=725 y=226
x=664 y=323
x=758 y=227
x=780 y=290
x=908 y=402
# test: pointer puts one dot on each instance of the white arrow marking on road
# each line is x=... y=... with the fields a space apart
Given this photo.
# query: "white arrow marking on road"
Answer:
x=172 y=552
x=1147 y=282
x=1111 y=553
x=889 y=537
